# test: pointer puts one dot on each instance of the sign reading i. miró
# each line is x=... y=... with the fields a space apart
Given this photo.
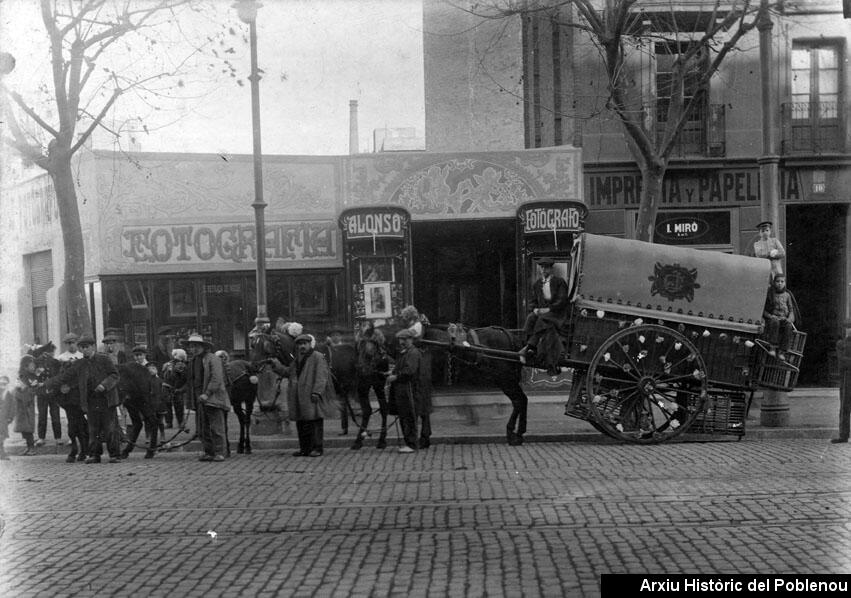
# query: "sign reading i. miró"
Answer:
x=553 y=216
x=375 y=223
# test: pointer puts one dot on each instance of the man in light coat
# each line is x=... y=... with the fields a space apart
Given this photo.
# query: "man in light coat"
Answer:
x=310 y=395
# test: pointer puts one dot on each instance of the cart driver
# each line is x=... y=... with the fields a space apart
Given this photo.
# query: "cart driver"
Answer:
x=549 y=302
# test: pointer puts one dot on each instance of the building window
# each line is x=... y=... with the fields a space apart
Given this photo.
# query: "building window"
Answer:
x=692 y=137
x=812 y=120
x=39 y=269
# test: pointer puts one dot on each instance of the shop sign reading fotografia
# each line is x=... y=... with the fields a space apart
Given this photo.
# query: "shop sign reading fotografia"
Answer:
x=223 y=243
x=368 y=223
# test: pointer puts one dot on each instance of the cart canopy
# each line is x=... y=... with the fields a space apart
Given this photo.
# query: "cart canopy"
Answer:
x=679 y=284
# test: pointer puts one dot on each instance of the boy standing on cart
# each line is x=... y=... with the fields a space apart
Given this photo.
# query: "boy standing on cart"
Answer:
x=549 y=302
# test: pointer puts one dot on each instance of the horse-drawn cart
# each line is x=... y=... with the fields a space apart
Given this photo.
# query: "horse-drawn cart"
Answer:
x=665 y=340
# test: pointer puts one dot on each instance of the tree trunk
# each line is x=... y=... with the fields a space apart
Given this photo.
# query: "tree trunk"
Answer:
x=77 y=309
x=652 y=178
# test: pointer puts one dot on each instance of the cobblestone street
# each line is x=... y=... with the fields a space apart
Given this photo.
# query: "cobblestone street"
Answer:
x=459 y=520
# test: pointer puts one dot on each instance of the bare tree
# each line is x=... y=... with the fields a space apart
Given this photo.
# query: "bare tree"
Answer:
x=699 y=40
x=89 y=71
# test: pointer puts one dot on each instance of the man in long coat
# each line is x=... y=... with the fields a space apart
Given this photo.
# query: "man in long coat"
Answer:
x=408 y=394
x=96 y=379
x=310 y=395
x=843 y=353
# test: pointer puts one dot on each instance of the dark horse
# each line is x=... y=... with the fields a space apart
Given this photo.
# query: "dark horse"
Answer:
x=371 y=368
x=504 y=371
x=342 y=359
x=244 y=377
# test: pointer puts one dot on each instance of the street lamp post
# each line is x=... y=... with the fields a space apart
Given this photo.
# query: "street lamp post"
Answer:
x=247 y=12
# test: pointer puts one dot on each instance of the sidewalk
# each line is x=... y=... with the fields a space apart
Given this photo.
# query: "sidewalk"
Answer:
x=482 y=417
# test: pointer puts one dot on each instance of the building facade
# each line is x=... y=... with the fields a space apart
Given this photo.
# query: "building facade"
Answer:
x=712 y=187
x=170 y=242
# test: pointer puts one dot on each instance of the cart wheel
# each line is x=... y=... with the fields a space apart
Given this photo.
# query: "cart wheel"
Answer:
x=647 y=384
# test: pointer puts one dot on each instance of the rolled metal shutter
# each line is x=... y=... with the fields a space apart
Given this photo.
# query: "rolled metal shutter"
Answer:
x=41 y=277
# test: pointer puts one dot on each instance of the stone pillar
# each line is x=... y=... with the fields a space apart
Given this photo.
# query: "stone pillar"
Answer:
x=774 y=409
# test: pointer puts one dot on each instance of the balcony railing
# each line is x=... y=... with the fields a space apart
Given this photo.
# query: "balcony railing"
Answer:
x=704 y=133
x=812 y=128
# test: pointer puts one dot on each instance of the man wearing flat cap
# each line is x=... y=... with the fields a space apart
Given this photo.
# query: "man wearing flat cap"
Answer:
x=140 y=387
x=96 y=378
x=208 y=395
x=78 y=433
x=411 y=400
x=549 y=302
x=113 y=347
x=310 y=395
x=768 y=247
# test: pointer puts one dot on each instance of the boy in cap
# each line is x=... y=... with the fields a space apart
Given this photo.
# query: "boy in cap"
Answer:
x=550 y=298
x=768 y=247
x=112 y=346
x=780 y=314
x=71 y=352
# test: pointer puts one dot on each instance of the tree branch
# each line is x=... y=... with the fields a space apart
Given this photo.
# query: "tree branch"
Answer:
x=29 y=111
x=116 y=93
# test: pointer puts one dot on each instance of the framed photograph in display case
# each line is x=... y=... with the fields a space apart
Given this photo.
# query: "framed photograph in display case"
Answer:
x=377 y=300
x=376 y=269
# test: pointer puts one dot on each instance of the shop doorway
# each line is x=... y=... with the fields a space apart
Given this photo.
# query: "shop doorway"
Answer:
x=816 y=254
x=464 y=272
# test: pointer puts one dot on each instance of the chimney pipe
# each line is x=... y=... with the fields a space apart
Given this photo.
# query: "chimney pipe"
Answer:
x=353 y=126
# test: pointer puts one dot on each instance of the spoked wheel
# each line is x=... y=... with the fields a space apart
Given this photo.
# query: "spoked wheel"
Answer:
x=646 y=384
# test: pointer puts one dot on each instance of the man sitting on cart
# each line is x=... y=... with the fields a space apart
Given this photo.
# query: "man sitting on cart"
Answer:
x=549 y=302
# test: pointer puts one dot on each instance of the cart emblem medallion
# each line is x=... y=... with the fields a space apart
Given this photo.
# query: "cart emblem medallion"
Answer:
x=673 y=282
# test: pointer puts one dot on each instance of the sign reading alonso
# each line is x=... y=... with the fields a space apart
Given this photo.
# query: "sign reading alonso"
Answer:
x=222 y=243
x=558 y=216
x=368 y=223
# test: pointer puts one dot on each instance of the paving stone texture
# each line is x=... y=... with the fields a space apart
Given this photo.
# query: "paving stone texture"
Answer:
x=476 y=518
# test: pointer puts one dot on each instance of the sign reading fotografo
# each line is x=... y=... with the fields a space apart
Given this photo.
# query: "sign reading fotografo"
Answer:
x=549 y=216
x=228 y=243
